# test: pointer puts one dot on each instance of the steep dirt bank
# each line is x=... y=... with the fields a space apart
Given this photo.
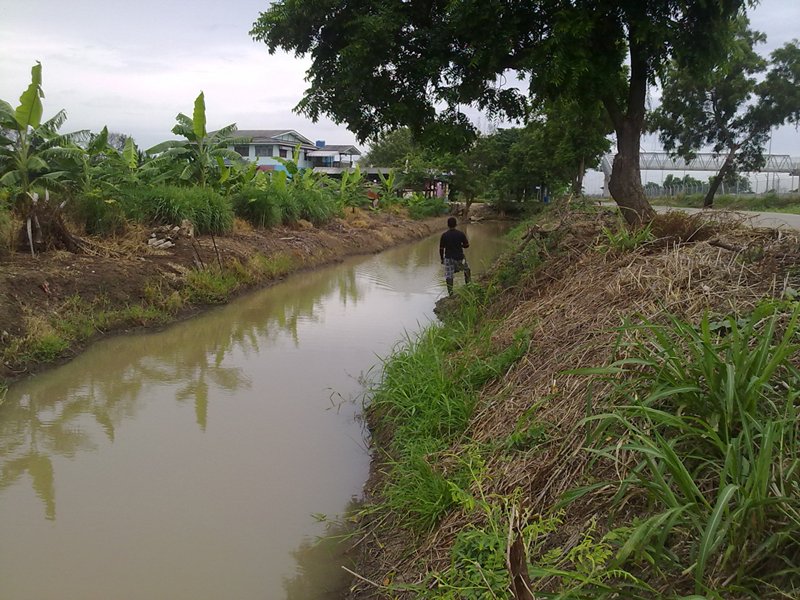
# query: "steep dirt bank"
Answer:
x=52 y=305
x=525 y=439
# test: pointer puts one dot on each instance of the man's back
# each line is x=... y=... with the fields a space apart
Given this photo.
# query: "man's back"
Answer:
x=454 y=241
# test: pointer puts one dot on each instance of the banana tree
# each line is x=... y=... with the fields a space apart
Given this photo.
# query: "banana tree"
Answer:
x=30 y=155
x=389 y=186
x=351 y=188
x=198 y=157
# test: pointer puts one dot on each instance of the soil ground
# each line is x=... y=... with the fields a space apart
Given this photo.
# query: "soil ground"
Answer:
x=119 y=271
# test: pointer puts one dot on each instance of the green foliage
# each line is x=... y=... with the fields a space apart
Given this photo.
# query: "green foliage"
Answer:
x=200 y=157
x=391 y=149
x=710 y=421
x=210 y=286
x=272 y=199
x=30 y=150
x=516 y=265
x=207 y=210
x=766 y=202
x=421 y=207
x=728 y=107
x=424 y=401
x=624 y=238
x=99 y=212
x=576 y=51
x=5 y=222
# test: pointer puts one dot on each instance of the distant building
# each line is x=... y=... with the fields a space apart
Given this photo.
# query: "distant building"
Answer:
x=265 y=146
x=333 y=156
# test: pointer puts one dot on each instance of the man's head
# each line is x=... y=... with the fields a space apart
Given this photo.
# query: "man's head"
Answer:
x=451 y=222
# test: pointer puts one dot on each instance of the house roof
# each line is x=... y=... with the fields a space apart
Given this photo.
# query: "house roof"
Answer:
x=341 y=149
x=270 y=136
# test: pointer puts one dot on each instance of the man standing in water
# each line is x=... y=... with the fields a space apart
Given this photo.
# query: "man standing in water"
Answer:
x=451 y=253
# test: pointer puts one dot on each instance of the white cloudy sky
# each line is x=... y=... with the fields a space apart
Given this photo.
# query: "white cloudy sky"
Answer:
x=134 y=65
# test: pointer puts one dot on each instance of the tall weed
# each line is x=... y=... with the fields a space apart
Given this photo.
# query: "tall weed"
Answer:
x=208 y=211
x=709 y=420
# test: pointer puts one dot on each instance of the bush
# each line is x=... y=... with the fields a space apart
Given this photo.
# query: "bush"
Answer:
x=262 y=207
x=208 y=211
x=317 y=204
x=420 y=207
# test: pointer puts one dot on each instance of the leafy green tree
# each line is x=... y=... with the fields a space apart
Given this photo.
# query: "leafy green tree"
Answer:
x=780 y=90
x=391 y=149
x=199 y=158
x=31 y=154
x=653 y=189
x=575 y=137
x=380 y=65
x=734 y=182
x=687 y=182
x=723 y=108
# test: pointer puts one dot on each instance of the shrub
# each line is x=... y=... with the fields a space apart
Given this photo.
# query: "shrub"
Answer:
x=259 y=206
x=317 y=204
x=420 y=207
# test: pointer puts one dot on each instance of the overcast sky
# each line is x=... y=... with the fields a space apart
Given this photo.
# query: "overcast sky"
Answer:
x=134 y=65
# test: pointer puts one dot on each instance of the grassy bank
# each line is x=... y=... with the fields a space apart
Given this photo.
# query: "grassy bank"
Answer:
x=789 y=203
x=605 y=416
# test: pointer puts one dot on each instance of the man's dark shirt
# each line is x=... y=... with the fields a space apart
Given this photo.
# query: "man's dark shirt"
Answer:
x=452 y=244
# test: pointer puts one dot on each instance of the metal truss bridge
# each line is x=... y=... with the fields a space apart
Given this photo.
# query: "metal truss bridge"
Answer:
x=661 y=161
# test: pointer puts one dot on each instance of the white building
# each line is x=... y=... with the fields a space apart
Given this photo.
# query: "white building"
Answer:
x=265 y=146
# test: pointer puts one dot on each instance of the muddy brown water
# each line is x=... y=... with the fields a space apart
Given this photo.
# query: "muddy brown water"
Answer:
x=198 y=462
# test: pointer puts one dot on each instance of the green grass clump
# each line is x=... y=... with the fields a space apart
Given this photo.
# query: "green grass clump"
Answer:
x=420 y=207
x=99 y=212
x=261 y=207
x=210 y=286
x=6 y=225
x=513 y=266
x=206 y=209
x=423 y=403
x=76 y=320
x=624 y=239
x=709 y=418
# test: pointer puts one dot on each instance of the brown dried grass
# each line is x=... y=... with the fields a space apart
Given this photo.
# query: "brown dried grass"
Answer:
x=574 y=305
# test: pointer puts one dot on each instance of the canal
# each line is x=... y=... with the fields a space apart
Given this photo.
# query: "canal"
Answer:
x=196 y=462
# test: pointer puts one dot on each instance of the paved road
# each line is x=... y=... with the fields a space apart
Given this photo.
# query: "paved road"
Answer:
x=757 y=219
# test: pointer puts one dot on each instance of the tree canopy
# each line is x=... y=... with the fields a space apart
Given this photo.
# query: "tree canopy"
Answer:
x=380 y=65
x=726 y=108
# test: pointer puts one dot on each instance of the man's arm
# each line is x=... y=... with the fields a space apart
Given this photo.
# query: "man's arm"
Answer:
x=441 y=249
x=464 y=241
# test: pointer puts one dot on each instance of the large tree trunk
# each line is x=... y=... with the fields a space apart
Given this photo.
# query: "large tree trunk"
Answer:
x=625 y=183
x=708 y=201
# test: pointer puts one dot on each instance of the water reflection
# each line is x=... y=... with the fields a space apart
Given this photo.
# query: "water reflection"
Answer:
x=319 y=572
x=205 y=446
